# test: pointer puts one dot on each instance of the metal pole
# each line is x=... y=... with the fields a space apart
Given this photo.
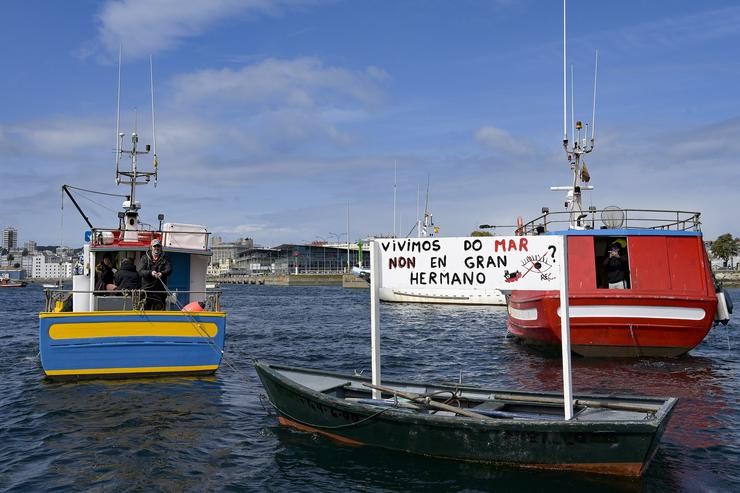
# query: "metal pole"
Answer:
x=375 y=315
x=565 y=331
x=348 y=269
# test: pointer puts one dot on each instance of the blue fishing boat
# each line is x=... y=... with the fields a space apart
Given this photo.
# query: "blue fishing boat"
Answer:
x=101 y=329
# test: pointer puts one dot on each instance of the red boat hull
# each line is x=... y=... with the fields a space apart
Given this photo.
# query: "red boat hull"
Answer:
x=615 y=326
x=667 y=311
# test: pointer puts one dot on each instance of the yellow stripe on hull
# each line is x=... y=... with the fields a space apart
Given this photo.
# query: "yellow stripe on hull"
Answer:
x=141 y=370
x=95 y=330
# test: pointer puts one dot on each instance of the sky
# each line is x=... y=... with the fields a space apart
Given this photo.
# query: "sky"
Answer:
x=292 y=121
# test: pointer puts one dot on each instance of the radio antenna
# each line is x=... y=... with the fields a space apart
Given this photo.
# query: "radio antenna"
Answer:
x=581 y=144
x=118 y=114
x=593 y=116
x=565 y=85
x=154 y=133
x=572 y=103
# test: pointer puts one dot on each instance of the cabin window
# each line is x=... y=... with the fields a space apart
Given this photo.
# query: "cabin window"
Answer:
x=612 y=262
x=105 y=270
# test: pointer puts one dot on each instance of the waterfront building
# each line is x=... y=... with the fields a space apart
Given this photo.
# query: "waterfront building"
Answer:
x=222 y=252
x=10 y=238
x=49 y=267
x=291 y=258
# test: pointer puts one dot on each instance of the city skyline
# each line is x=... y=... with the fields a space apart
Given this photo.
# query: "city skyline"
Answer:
x=278 y=119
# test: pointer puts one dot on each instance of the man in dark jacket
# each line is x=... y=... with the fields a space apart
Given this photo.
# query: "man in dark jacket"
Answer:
x=153 y=268
x=127 y=277
x=104 y=273
x=617 y=268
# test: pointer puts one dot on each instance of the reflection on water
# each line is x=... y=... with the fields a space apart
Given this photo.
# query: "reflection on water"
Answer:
x=369 y=469
x=203 y=434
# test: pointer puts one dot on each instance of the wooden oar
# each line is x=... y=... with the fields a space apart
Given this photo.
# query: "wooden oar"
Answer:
x=578 y=402
x=429 y=402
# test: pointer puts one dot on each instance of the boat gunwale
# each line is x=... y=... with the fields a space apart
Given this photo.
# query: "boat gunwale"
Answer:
x=131 y=313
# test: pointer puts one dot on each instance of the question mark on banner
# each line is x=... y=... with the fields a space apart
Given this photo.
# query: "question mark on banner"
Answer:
x=552 y=247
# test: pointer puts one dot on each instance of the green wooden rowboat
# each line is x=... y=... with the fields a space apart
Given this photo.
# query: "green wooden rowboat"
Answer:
x=616 y=435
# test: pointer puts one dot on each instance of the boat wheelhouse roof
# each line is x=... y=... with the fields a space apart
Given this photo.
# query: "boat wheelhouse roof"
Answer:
x=183 y=238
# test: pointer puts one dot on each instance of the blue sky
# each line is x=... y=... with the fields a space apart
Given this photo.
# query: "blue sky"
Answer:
x=274 y=117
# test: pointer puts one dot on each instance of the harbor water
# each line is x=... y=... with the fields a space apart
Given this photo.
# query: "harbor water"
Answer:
x=219 y=434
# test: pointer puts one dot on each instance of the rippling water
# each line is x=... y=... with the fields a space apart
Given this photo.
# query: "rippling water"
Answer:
x=198 y=434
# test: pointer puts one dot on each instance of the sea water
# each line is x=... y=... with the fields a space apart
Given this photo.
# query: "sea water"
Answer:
x=219 y=434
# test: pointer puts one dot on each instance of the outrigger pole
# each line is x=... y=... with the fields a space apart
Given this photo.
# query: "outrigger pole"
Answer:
x=65 y=189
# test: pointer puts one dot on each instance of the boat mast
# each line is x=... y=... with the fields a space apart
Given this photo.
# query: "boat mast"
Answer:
x=135 y=176
x=583 y=143
x=428 y=224
x=395 y=181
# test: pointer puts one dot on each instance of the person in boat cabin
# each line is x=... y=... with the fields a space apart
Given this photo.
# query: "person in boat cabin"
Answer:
x=126 y=277
x=154 y=268
x=105 y=273
x=617 y=267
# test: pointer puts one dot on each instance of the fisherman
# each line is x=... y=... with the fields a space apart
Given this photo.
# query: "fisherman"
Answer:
x=154 y=268
x=617 y=267
x=127 y=277
x=104 y=273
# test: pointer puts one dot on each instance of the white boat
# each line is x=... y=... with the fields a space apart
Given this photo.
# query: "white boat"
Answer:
x=444 y=295
x=7 y=282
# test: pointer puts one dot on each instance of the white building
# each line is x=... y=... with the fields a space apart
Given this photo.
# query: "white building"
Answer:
x=50 y=267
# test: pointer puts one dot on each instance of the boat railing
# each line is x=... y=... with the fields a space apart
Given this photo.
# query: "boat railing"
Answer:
x=611 y=218
x=62 y=300
x=186 y=238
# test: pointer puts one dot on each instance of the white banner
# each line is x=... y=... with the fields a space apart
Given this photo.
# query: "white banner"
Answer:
x=486 y=262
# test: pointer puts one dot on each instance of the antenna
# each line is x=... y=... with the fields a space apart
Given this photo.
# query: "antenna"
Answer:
x=395 y=177
x=154 y=133
x=593 y=116
x=118 y=115
x=565 y=87
x=573 y=105
x=418 y=219
x=428 y=222
x=581 y=144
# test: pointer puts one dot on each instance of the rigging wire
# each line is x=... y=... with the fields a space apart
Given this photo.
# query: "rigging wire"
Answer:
x=97 y=203
x=96 y=192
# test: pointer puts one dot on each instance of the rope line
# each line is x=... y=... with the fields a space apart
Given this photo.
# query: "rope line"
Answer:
x=337 y=427
x=198 y=327
x=96 y=192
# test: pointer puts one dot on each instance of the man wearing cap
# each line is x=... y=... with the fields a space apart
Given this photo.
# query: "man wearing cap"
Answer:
x=153 y=269
x=617 y=267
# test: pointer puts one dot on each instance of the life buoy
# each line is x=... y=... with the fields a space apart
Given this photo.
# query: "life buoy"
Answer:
x=519 y=226
x=195 y=306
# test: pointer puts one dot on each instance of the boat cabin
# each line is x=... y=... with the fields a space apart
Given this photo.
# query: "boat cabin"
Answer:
x=185 y=245
x=655 y=260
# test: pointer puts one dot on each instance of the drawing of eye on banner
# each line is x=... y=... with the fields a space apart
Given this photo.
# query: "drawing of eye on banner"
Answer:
x=506 y=263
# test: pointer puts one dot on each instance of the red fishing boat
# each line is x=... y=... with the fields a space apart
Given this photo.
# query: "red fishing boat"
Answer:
x=640 y=282
x=660 y=300
x=667 y=306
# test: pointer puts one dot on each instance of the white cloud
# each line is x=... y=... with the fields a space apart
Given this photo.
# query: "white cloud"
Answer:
x=501 y=141
x=56 y=137
x=150 y=26
x=302 y=82
x=687 y=29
